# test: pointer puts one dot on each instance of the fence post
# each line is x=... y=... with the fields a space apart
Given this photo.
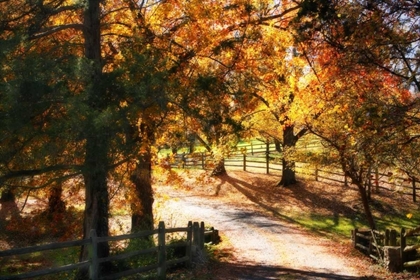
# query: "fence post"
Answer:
x=94 y=261
x=393 y=238
x=402 y=245
x=244 y=162
x=195 y=238
x=267 y=157
x=355 y=237
x=369 y=183
x=162 y=251
x=202 y=236
x=202 y=161
x=184 y=160
x=377 y=179
x=386 y=241
x=316 y=172
x=189 y=244
x=414 y=189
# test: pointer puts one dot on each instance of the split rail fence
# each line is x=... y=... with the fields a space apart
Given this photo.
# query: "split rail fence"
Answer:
x=263 y=156
x=193 y=244
x=398 y=250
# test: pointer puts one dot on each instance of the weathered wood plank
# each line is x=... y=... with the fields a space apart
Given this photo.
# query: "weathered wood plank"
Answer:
x=180 y=229
x=162 y=252
x=127 y=236
x=411 y=248
x=412 y=263
x=412 y=232
x=361 y=235
x=362 y=247
x=39 y=248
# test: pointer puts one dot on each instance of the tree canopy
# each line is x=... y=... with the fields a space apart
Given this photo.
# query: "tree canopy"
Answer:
x=89 y=90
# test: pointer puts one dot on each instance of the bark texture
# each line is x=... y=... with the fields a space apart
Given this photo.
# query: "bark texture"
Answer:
x=142 y=211
x=288 y=164
x=56 y=204
x=219 y=169
x=8 y=206
x=97 y=143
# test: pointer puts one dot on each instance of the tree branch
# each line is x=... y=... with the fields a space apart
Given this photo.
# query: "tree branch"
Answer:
x=34 y=172
x=51 y=30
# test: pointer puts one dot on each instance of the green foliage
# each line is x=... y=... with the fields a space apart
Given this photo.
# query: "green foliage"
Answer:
x=177 y=248
x=331 y=225
x=37 y=261
x=340 y=225
x=137 y=244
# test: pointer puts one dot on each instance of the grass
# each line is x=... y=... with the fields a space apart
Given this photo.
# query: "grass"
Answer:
x=327 y=224
x=340 y=226
x=41 y=260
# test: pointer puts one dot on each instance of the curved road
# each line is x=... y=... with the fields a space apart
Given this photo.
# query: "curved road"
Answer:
x=264 y=246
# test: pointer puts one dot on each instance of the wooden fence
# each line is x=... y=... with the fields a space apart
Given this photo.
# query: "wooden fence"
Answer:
x=377 y=244
x=263 y=156
x=193 y=244
x=371 y=242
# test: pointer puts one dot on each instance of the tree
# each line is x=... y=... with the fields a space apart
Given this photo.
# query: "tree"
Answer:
x=254 y=60
x=145 y=111
x=72 y=107
x=381 y=34
x=371 y=46
x=99 y=110
x=275 y=77
x=34 y=151
x=282 y=98
x=363 y=124
x=88 y=89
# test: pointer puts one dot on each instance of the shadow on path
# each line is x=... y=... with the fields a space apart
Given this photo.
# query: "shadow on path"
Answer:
x=248 y=190
x=261 y=195
x=262 y=272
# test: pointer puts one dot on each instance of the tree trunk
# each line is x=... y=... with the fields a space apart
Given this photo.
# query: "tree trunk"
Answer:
x=277 y=144
x=97 y=143
x=288 y=176
x=219 y=169
x=288 y=171
x=8 y=206
x=56 y=204
x=366 y=206
x=97 y=199
x=56 y=211
x=142 y=210
x=355 y=173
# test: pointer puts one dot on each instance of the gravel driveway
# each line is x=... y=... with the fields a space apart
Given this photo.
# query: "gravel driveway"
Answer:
x=265 y=247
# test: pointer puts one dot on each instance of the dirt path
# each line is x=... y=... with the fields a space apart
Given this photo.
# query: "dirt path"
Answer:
x=264 y=247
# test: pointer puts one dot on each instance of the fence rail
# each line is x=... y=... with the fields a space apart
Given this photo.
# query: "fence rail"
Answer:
x=370 y=242
x=194 y=243
x=380 y=245
x=260 y=156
